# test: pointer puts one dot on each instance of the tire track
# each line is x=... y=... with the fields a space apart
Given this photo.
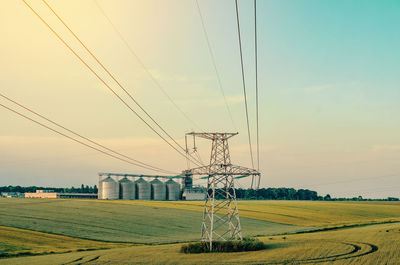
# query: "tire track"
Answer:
x=93 y=259
x=349 y=255
x=76 y=260
x=373 y=249
x=357 y=247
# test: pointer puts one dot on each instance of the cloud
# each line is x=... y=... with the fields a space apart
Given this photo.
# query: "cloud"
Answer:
x=52 y=153
x=33 y=146
x=234 y=99
x=323 y=87
x=213 y=102
x=44 y=144
x=317 y=88
x=385 y=148
x=179 y=78
x=245 y=148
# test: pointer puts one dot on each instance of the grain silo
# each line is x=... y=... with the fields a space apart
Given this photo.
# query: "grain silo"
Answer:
x=143 y=189
x=126 y=189
x=173 y=190
x=108 y=189
x=158 y=190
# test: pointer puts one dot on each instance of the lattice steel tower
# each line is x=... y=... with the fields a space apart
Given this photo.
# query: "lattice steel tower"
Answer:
x=221 y=215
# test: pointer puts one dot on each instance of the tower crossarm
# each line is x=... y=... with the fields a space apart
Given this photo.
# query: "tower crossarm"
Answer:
x=239 y=170
x=232 y=170
x=213 y=136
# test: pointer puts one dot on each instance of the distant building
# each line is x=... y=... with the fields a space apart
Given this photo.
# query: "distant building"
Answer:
x=41 y=194
x=44 y=191
x=50 y=194
x=77 y=195
x=194 y=194
x=12 y=195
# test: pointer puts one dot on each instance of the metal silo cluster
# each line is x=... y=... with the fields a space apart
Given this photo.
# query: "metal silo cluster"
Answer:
x=140 y=189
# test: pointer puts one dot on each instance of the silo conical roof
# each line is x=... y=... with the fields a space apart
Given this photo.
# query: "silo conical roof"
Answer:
x=156 y=181
x=125 y=179
x=140 y=180
x=108 y=179
x=170 y=181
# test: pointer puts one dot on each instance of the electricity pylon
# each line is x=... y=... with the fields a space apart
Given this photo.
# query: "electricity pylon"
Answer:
x=221 y=220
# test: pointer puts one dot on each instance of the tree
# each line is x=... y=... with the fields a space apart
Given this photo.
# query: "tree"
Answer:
x=291 y=194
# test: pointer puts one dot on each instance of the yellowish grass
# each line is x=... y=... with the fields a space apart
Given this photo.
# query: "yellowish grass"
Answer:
x=95 y=220
x=374 y=244
x=14 y=242
x=370 y=245
x=300 y=213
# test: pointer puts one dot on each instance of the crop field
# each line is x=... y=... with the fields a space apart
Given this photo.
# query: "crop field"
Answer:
x=135 y=223
x=370 y=245
x=300 y=213
x=64 y=223
x=17 y=242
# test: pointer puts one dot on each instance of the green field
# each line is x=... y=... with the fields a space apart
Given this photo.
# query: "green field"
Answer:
x=371 y=240
x=20 y=242
x=300 y=213
x=371 y=245
x=118 y=222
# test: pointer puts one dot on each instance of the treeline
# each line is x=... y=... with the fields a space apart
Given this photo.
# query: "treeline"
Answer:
x=278 y=194
x=293 y=194
x=360 y=198
x=243 y=194
x=82 y=189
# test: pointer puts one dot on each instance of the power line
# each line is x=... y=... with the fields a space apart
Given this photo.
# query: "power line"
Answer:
x=199 y=157
x=108 y=86
x=155 y=81
x=73 y=139
x=256 y=68
x=244 y=87
x=214 y=64
x=85 y=138
x=112 y=76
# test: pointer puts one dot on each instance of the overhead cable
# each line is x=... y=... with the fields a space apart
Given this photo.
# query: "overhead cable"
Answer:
x=257 y=111
x=112 y=76
x=155 y=81
x=244 y=86
x=215 y=65
x=78 y=141
x=83 y=137
x=102 y=80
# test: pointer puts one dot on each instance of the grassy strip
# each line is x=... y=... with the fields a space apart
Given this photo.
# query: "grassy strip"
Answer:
x=342 y=227
x=118 y=223
x=16 y=242
x=247 y=244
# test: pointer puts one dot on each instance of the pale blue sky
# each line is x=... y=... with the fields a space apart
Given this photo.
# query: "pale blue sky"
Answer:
x=328 y=78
